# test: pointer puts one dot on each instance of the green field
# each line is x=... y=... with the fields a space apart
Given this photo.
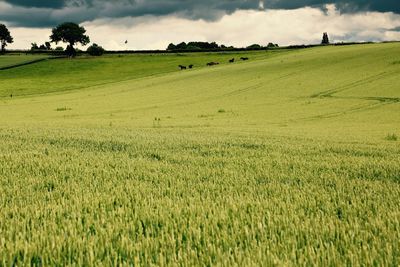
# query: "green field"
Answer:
x=65 y=74
x=291 y=158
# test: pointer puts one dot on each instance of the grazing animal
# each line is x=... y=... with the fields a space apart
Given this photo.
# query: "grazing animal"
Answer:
x=11 y=95
x=244 y=58
x=191 y=66
x=212 y=63
x=232 y=60
x=182 y=67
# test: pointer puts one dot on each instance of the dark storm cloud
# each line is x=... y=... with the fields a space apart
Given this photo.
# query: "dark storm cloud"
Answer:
x=343 y=5
x=38 y=3
x=44 y=13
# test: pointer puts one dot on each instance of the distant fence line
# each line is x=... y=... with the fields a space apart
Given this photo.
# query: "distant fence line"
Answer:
x=23 y=64
x=28 y=63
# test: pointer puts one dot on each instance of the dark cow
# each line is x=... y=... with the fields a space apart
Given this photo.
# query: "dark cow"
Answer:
x=244 y=58
x=232 y=60
x=212 y=63
x=182 y=67
x=191 y=66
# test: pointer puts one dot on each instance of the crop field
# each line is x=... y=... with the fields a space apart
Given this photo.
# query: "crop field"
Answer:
x=290 y=158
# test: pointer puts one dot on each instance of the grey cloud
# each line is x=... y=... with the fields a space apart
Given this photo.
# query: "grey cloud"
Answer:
x=45 y=13
x=38 y=3
x=343 y=5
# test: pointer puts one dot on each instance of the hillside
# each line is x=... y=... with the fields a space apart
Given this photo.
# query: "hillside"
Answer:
x=342 y=89
x=290 y=158
x=62 y=75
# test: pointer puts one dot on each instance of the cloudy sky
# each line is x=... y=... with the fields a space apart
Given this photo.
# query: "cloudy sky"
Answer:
x=153 y=24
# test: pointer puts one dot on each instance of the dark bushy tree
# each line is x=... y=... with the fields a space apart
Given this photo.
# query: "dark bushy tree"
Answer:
x=47 y=45
x=5 y=37
x=254 y=47
x=181 y=46
x=204 y=45
x=192 y=48
x=325 y=39
x=70 y=33
x=195 y=46
x=44 y=47
x=272 y=45
x=171 y=47
x=95 y=50
x=34 y=46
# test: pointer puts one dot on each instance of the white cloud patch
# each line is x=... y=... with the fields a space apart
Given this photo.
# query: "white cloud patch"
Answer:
x=241 y=28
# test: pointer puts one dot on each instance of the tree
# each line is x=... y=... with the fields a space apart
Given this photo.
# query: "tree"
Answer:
x=191 y=46
x=325 y=39
x=48 y=45
x=254 y=47
x=272 y=45
x=95 y=50
x=5 y=37
x=171 y=46
x=34 y=46
x=70 y=33
x=181 y=46
x=43 y=47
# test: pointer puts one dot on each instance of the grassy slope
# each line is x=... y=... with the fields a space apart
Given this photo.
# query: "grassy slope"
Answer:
x=281 y=160
x=65 y=74
x=320 y=89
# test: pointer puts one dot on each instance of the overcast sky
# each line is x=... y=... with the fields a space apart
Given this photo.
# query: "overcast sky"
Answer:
x=153 y=24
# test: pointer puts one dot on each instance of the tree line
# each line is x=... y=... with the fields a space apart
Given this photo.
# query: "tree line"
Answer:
x=206 y=46
x=73 y=34
x=68 y=32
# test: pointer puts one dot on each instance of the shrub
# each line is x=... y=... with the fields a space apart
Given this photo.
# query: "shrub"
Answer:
x=95 y=50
